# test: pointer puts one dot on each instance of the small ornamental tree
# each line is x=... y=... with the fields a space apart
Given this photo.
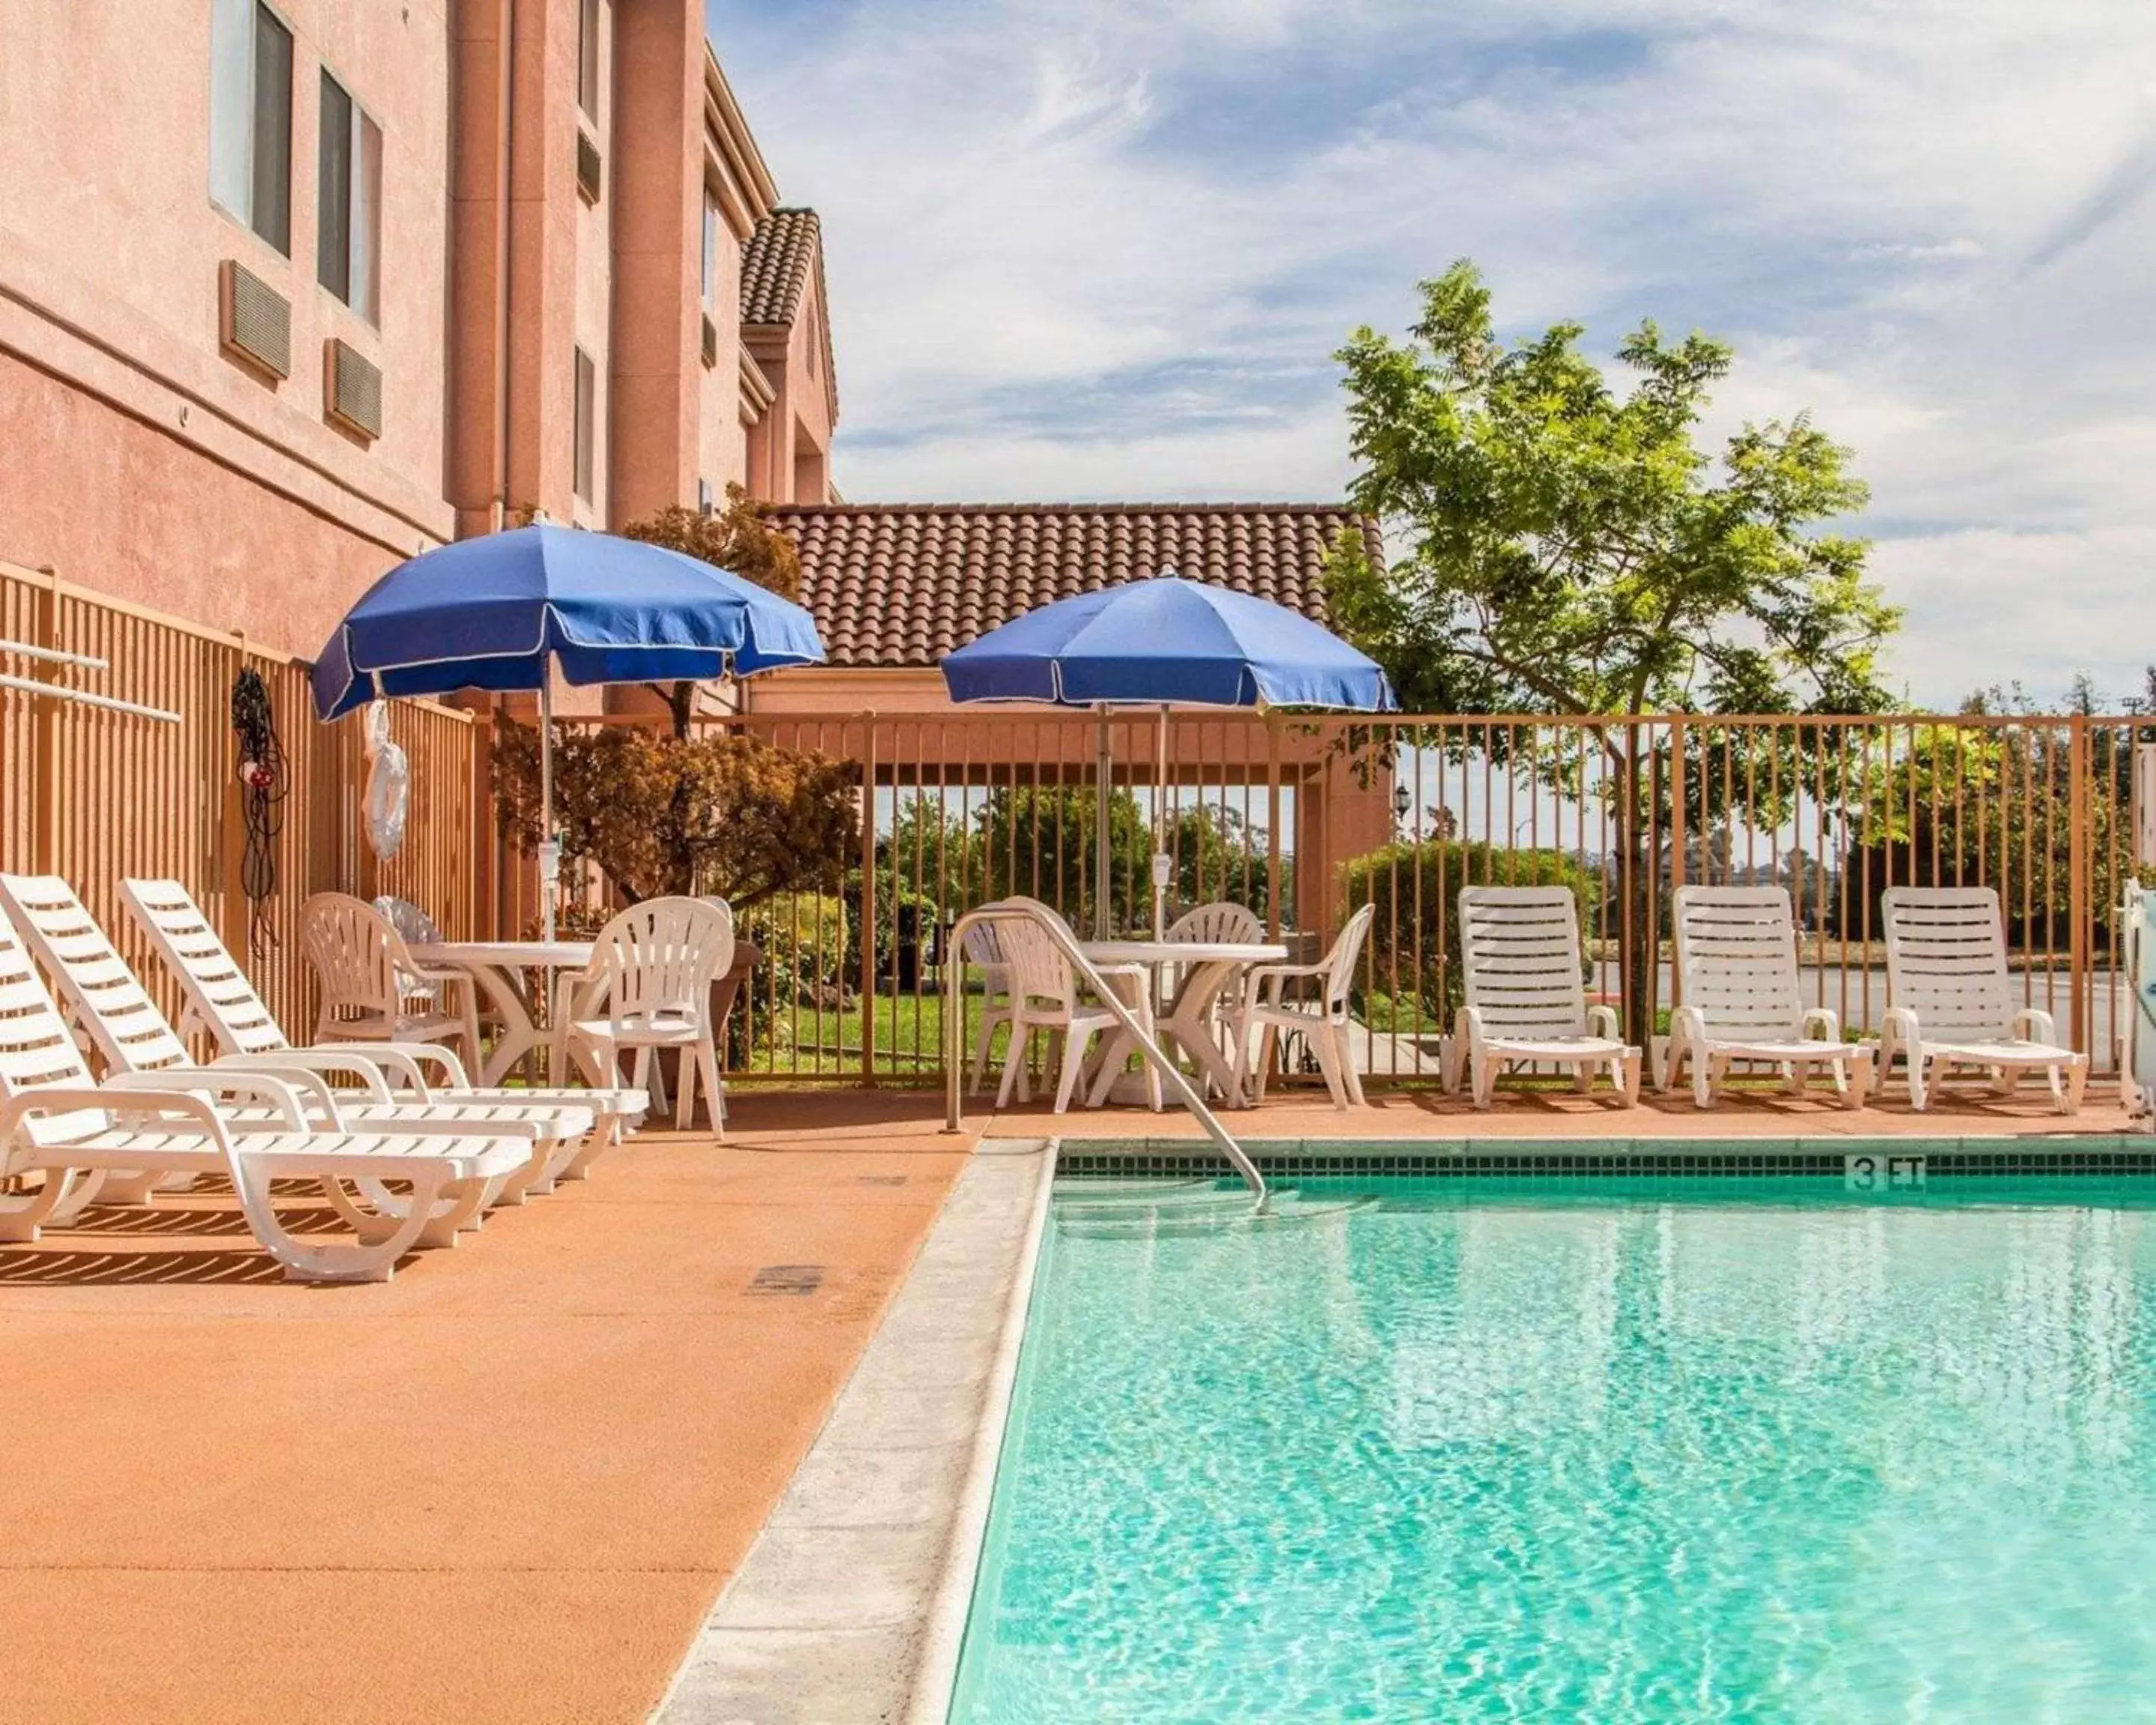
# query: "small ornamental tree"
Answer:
x=725 y=815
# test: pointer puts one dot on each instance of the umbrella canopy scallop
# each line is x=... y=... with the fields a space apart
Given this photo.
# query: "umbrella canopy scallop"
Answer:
x=1167 y=639
x=492 y=613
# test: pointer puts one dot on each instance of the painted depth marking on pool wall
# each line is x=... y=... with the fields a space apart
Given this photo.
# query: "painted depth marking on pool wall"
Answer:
x=1877 y=1173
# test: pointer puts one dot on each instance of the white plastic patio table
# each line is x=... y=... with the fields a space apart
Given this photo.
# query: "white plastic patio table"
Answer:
x=1209 y=966
x=498 y=967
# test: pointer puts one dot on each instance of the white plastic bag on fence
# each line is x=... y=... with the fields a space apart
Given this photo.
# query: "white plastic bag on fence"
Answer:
x=388 y=784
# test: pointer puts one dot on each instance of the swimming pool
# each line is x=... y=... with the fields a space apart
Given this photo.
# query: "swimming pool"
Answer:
x=1642 y=1448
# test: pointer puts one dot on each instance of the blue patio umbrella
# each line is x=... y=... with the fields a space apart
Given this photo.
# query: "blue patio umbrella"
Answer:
x=502 y=611
x=1170 y=641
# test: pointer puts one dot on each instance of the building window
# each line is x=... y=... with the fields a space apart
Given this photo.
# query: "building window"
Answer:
x=348 y=236
x=587 y=57
x=704 y=503
x=250 y=118
x=710 y=247
x=585 y=416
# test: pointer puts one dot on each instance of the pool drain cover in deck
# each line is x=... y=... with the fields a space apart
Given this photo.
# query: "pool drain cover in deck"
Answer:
x=786 y=1279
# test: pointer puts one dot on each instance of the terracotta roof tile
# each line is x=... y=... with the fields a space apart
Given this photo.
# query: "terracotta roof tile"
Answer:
x=901 y=584
x=775 y=265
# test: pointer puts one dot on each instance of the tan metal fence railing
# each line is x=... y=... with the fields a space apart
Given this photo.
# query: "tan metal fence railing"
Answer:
x=95 y=794
x=1303 y=818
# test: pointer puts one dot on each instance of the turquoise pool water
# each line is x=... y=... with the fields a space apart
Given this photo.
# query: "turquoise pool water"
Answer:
x=1610 y=1450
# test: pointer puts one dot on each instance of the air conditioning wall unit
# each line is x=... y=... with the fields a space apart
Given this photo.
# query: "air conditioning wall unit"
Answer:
x=352 y=388
x=253 y=320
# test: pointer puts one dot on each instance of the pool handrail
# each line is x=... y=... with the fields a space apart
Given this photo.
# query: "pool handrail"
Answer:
x=1031 y=910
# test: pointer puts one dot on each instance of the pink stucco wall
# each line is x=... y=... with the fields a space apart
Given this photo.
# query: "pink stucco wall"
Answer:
x=141 y=457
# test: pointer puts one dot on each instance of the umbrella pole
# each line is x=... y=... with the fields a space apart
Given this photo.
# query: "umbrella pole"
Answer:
x=1160 y=863
x=550 y=856
x=1104 y=767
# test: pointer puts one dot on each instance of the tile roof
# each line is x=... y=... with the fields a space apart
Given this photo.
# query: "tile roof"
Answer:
x=892 y=585
x=775 y=265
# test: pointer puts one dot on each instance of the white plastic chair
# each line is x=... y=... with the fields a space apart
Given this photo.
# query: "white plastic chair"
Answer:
x=1737 y=955
x=1950 y=1002
x=364 y=969
x=1324 y=1021
x=1045 y=996
x=654 y=966
x=1519 y=948
x=983 y=951
x=82 y=1141
x=1223 y=922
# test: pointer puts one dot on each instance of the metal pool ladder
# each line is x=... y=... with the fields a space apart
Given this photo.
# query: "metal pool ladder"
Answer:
x=1031 y=910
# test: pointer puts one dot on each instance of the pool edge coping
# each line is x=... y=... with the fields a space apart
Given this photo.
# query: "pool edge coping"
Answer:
x=935 y=1666
x=888 y=1623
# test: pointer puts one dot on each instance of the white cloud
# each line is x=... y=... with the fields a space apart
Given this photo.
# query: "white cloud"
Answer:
x=1087 y=248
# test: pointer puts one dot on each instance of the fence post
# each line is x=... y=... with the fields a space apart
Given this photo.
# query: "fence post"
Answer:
x=45 y=736
x=1272 y=824
x=868 y=904
x=2078 y=864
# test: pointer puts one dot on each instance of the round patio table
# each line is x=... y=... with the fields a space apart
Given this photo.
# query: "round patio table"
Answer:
x=1207 y=968
x=498 y=969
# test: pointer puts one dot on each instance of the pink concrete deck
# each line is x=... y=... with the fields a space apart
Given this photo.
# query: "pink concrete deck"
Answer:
x=506 y=1485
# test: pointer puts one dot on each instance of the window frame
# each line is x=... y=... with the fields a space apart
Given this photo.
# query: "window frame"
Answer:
x=589 y=32
x=583 y=426
x=244 y=204
x=359 y=287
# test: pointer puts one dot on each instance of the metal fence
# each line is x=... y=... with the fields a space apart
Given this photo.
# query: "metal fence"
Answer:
x=96 y=794
x=1304 y=818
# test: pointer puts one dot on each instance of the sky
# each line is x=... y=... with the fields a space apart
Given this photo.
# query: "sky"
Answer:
x=1088 y=250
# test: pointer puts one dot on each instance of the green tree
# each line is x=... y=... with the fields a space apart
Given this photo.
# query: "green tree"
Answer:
x=1572 y=550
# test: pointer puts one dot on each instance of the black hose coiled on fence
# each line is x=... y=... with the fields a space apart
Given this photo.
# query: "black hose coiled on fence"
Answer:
x=262 y=791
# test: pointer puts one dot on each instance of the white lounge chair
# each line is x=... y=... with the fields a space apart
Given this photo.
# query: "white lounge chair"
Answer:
x=654 y=966
x=80 y=1138
x=1526 y=1002
x=1950 y=1003
x=1736 y=958
x=219 y=1000
x=132 y=1035
x=1325 y=1022
x=1045 y=995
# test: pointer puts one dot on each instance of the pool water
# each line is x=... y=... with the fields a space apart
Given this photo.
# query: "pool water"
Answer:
x=1568 y=1450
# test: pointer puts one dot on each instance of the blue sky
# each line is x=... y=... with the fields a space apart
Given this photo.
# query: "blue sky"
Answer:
x=1088 y=248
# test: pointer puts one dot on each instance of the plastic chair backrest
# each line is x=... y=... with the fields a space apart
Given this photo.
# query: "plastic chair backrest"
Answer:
x=1737 y=953
x=219 y=996
x=37 y=1049
x=1039 y=972
x=660 y=958
x=1519 y=949
x=1340 y=962
x=1224 y=921
x=1946 y=960
x=413 y=926
x=101 y=991
x=358 y=956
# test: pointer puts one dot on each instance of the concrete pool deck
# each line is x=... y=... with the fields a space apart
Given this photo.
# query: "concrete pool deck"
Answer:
x=510 y=1484
x=506 y=1485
